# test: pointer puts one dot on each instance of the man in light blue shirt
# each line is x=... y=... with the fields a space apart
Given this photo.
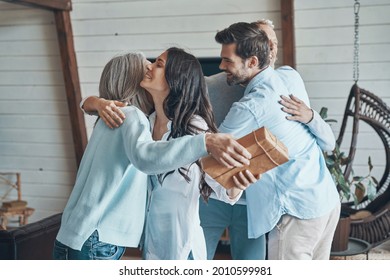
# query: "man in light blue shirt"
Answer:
x=216 y=216
x=298 y=200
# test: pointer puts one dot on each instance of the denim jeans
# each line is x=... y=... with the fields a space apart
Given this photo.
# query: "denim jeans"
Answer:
x=92 y=249
x=215 y=216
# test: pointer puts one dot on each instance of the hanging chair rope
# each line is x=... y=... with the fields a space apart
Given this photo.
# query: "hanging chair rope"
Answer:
x=356 y=43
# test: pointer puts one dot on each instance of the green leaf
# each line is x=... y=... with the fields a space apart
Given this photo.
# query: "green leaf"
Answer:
x=370 y=164
x=358 y=178
x=324 y=113
x=360 y=191
x=329 y=161
x=371 y=190
x=355 y=199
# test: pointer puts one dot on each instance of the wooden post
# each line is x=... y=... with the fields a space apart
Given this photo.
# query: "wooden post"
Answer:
x=72 y=83
x=288 y=35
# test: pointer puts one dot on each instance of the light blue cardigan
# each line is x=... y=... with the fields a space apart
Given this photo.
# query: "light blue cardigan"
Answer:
x=110 y=192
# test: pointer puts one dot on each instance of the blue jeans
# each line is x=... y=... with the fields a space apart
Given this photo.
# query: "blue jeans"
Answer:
x=92 y=249
x=215 y=216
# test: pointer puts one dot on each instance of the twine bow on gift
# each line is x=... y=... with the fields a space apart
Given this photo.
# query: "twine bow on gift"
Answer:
x=268 y=155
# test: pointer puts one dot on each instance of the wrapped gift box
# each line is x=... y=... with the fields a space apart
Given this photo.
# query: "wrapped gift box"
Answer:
x=267 y=152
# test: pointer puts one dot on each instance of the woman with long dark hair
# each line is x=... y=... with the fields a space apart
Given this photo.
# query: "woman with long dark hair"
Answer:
x=172 y=229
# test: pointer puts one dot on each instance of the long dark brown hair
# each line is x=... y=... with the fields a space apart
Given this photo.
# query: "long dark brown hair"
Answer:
x=188 y=98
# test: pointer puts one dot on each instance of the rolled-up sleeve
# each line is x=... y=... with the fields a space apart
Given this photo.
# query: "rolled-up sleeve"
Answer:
x=220 y=191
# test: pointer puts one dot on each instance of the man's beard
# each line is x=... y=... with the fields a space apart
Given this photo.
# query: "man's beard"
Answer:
x=236 y=80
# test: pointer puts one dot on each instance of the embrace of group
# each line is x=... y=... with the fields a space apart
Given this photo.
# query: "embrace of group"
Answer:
x=140 y=183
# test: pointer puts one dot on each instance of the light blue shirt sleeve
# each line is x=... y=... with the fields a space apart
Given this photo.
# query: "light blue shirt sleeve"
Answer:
x=239 y=120
x=155 y=157
x=322 y=132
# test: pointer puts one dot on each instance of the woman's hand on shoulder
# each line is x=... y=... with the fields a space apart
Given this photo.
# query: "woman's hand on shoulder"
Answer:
x=297 y=109
x=110 y=112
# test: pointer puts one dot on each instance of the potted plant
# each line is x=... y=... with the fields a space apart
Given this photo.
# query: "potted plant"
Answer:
x=352 y=189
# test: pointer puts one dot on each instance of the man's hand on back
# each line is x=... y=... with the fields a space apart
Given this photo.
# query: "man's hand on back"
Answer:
x=108 y=110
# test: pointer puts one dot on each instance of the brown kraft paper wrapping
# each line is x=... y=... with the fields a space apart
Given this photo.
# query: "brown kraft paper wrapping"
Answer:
x=266 y=150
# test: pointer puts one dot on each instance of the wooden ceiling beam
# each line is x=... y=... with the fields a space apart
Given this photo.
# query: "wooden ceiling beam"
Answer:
x=288 y=34
x=61 y=5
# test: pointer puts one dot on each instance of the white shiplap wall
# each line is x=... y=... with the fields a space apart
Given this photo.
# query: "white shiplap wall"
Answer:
x=324 y=50
x=35 y=133
x=105 y=28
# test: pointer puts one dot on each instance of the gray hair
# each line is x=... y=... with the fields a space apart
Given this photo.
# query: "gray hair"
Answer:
x=268 y=26
x=121 y=78
x=265 y=22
